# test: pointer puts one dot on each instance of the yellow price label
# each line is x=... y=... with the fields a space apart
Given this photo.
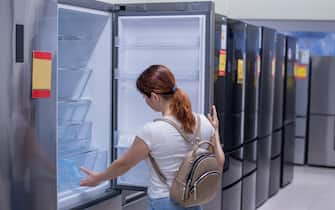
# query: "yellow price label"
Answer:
x=300 y=71
x=240 y=71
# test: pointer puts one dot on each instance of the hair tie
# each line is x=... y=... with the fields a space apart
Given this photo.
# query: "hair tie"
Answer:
x=174 y=89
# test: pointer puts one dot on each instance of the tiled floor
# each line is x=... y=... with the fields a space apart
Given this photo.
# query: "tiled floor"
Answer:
x=312 y=189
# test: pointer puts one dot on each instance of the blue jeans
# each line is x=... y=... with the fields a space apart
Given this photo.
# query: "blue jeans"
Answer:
x=167 y=204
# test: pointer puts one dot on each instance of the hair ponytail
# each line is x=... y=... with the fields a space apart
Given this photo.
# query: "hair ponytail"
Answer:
x=181 y=108
x=160 y=80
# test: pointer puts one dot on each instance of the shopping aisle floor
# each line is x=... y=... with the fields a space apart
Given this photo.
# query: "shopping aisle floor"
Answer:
x=312 y=189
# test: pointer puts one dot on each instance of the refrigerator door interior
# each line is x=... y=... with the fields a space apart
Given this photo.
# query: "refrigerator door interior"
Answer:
x=266 y=83
x=251 y=94
x=322 y=85
x=83 y=101
x=279 y=82
x=289 y=90
x=143 y=41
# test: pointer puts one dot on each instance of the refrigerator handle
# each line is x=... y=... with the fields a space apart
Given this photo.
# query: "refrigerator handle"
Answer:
x=19 y=43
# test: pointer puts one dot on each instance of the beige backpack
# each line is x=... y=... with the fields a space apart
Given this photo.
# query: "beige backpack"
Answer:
x=198 y=177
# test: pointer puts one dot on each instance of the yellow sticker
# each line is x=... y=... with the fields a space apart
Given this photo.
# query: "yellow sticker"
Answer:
x=300 y=71
x=240 y=72
x=222 y=63
x=273 y=67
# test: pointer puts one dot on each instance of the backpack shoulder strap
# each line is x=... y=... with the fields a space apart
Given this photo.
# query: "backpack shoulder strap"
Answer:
x=157 y=170
x=187 y=138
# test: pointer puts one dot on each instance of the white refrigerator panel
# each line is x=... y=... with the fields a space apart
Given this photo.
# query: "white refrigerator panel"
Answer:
x=175 y=41
x=84 y=101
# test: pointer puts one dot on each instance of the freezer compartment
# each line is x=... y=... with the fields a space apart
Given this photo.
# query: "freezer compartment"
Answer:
x=275 y=176
x=73 y=110
x=263 y=170
x=299 y=150
x=249 y=192
x=249 y=157
x=300 y=129
x=321 y=141
x=232 y=169
x=69 y=174
x=231 y=197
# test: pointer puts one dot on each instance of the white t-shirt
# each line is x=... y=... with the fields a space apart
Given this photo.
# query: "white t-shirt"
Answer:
x=168 y=148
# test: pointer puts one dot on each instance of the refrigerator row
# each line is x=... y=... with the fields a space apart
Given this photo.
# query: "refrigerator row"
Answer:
x=254 y=92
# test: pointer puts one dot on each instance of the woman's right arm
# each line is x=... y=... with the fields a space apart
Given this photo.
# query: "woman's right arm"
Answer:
x=216 y=138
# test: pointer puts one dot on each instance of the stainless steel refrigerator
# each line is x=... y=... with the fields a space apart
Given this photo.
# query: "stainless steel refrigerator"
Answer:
x=278 y=107
x=265 y=115
x=301 y=106
x=321 y=115
x=97 y=51
x=289 y=113
x=253 y=59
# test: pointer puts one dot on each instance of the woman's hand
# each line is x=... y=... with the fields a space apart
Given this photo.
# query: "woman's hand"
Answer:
x=213 y=118
x=92 y=179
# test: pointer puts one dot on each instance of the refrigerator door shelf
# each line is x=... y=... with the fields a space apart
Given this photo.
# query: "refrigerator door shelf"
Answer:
x=188 y=75
x=75 y=131
x=74 y=82
x=73 y=146
x=72 y=37
x=73 y=111
x=147 y=42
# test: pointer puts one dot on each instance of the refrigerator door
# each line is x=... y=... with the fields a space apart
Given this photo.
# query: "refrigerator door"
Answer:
x=288 y=154
x=289 y=90
x=221 y=79
x=279 y=82
x=251 y=80
x=322 y=81
x=321 y=141
x=145 y=37
x=266 y=82
x=237 y=54
x=84 y=92
x=27 y=127
x=301 y=95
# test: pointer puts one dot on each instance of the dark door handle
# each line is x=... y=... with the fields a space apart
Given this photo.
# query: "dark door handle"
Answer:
x=19 y=43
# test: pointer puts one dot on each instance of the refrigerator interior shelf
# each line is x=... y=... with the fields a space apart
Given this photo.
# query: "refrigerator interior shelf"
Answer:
x=73 y=110
x=161 y=43
x=74 y=82
x=70 y=37
x=190 y=76
x=74 y=131
x=73 y=146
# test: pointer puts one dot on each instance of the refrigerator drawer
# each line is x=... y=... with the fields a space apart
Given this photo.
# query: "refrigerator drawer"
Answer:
x=232 y=169
x=299 y=150
x=300 y=128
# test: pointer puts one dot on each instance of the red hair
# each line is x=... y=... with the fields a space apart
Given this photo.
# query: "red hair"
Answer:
x=160 y=80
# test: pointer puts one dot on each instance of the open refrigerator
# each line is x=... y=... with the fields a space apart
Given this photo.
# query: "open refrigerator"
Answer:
x=102 y=49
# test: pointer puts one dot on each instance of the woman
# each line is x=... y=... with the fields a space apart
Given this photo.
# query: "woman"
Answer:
x=158 y=87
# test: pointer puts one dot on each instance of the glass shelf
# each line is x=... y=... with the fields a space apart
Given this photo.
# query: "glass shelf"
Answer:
x=70 y=37
x=161 y=43
x=72 y=83
x=73 y=110
x=73 y=146
x=188 y=76
x=74 y=131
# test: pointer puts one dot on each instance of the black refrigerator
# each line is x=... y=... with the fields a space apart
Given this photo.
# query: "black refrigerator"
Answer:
x=229 y=96
x=277 y=115
x=289 y=113
x=253 y=46
x=265 y=108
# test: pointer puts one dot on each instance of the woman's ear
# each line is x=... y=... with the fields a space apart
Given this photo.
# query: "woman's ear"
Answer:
x=155 y=96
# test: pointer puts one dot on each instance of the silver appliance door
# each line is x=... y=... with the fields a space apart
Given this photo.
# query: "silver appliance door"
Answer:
x=31 y=122
x=322 y=85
